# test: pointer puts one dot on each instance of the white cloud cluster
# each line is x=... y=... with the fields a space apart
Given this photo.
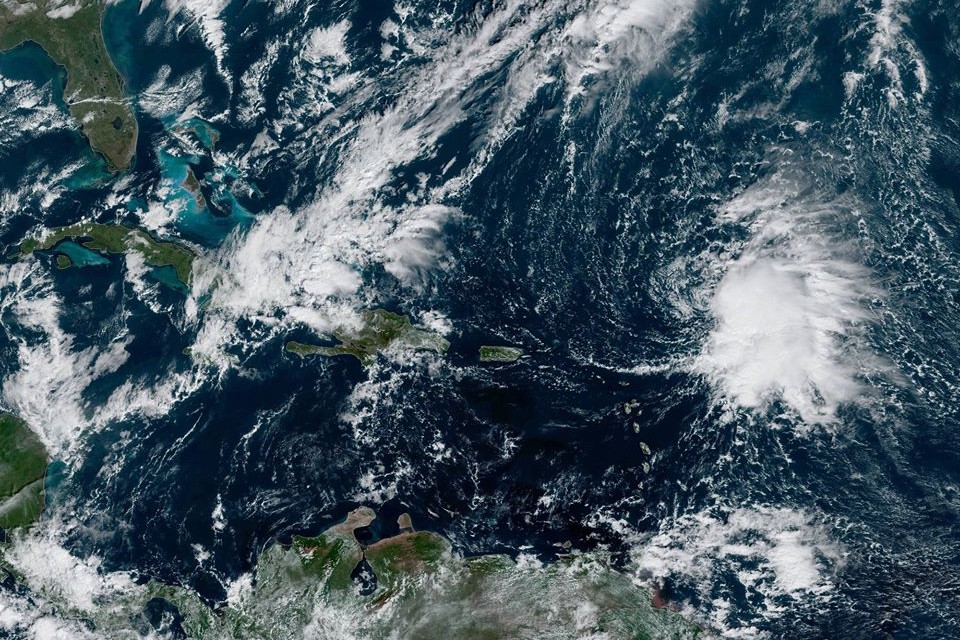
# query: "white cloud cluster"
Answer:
x=775 y=555
x=790 y=308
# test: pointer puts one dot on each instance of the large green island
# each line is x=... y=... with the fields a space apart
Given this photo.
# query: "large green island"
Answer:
x=115 y=238
x=379 y=330
x=490 y=353
x=70 y=33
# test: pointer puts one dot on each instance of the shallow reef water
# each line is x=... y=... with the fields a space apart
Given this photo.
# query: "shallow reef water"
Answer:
x=677 y=284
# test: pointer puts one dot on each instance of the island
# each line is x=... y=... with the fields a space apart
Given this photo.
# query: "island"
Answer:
x=23 y=465
x=116 y=238
x=204 y=132
x=192 y=185
x=379 y=330
x=499 y=354
x=70 y=33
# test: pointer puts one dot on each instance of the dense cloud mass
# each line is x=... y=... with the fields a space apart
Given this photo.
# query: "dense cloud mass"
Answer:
x=667 y=286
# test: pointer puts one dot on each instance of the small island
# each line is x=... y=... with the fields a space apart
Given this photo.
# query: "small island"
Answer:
x=23 y=465
x=207 y=135
x=71 y=35
x=115 y=238
x=192 y=185
x=380 y=329
x=499 y=354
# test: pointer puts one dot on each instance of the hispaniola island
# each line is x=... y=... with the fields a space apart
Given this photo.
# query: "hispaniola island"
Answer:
x=479 y=319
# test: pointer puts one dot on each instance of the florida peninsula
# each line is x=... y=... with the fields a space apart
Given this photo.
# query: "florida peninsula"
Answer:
x=69 y=31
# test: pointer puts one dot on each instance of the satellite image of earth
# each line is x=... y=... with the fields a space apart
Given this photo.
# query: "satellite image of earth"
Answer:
x=479 y=319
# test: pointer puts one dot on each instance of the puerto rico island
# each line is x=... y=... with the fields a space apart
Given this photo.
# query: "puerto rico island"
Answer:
x=499 y=354
x=70 y=33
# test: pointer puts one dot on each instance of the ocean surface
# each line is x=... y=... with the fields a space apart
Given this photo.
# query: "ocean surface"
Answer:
x=724 y=233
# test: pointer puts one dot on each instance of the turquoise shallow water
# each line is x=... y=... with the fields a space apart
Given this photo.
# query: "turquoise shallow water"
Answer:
x=81 y=256
x=743 y=229
x=194 y=217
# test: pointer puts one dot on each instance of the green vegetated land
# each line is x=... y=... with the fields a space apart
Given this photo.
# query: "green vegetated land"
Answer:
x=380 y=329
x=423 y=591
x=23 y=465
x=192 y=185
x=71 y=35
x=115 y=238
x=499 y=354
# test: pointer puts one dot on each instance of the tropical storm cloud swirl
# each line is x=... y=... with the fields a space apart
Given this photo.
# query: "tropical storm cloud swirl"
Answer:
x=670 y=288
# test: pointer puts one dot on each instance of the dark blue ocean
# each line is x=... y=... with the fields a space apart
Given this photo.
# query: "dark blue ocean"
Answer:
x=724 y=232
